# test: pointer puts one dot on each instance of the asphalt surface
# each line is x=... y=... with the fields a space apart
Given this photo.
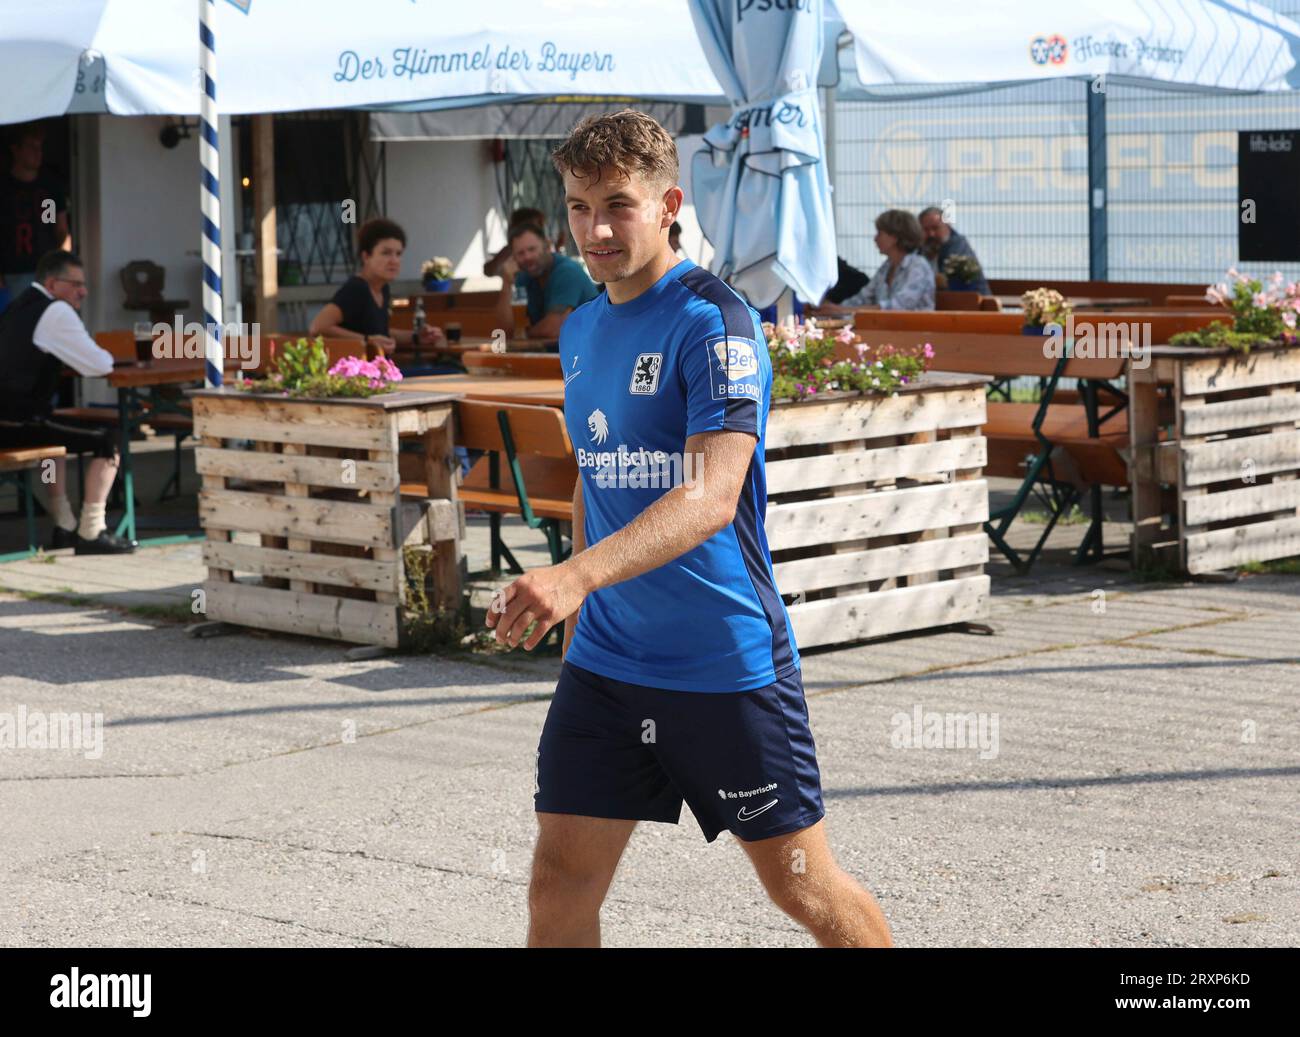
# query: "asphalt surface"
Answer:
x=262 y=790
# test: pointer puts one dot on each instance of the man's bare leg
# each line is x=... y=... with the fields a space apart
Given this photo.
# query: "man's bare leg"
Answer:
x=573 y=865
x=801 y=876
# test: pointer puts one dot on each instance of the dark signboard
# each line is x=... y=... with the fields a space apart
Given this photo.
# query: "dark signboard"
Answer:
x=1268 y=195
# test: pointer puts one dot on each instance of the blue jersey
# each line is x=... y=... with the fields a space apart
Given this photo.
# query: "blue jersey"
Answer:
x=686 y=356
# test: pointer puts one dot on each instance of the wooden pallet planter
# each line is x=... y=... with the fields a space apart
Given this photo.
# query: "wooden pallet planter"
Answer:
x=319 y=487
x=875 y=507
x=1223 y=488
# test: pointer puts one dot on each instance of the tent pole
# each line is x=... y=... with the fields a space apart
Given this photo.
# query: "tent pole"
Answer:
x=828 y=148
x=785 y=306
x=267 y=272
x=210 y=198
x=1098 y=250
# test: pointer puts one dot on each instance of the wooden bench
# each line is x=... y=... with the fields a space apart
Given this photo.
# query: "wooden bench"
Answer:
x=534 y=443
x=475 y=318
x=1023 y=438
x=473 y=323
x=16 y=464
x=1157 y=292
x=524 y=365
x=965 y=302
x=1163 y=324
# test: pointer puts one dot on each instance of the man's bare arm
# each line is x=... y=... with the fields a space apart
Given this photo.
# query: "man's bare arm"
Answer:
x=550 y=325
x=680 y=520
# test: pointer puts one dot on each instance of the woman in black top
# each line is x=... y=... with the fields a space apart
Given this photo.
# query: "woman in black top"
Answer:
x=359 y=308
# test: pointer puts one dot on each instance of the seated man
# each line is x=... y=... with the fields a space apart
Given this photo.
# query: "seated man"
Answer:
x=942 y=241
x=39 y=333
x=518 y=218
x=556 y=285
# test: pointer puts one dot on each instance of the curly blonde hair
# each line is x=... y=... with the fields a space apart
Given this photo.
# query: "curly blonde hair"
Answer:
x=628 y=140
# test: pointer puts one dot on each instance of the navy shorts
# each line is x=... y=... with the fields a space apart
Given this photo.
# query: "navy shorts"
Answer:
x=744 y=761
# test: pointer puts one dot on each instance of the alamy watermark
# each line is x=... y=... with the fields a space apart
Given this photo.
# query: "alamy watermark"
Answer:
x=927 y=729
x=1095 y=340
x=78 y=732
x=187 y=339
x=643 y=469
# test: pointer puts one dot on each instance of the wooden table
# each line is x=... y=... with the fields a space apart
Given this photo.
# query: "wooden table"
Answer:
x=1215 y=477
x=468 y=344
x=544 y=392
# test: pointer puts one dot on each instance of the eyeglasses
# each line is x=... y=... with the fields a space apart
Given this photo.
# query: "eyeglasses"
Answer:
x=69 y=280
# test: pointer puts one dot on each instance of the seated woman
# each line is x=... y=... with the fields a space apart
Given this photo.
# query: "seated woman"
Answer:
x=905 y=280
x=359 y=308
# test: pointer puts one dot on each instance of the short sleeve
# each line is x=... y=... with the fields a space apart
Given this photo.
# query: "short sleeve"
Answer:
x=723 y=374
x=568 y=288
x=350 y=299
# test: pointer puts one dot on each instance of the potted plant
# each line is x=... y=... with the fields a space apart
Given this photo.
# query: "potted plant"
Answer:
x=1043 y=306
x=436 y=274
x=804 y=362
x=302 y=369
x=1263 y=314
x=962 y=273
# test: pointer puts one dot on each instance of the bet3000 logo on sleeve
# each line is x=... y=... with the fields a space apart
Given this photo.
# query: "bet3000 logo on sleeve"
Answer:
x=733 y=366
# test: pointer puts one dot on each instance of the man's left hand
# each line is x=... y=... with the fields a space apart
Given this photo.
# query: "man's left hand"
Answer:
x=547 y=596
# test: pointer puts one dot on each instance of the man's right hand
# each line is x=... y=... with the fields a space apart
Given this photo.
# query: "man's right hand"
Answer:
x=509 y=269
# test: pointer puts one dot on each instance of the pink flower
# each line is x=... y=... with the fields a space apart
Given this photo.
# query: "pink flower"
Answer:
x=1288 y=318
x=844 y=336
x=928 y=351
x=1260 y=300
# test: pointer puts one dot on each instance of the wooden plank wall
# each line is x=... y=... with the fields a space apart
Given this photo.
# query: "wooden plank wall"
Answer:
x=319 y=494
x=1238 y=459
x=874 y=513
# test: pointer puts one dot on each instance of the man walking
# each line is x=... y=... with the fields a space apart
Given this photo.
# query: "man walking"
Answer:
x=681 y=678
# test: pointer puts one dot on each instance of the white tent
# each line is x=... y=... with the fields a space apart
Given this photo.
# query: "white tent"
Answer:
x=1201 y=44
x=133 y=58
x=143 y=58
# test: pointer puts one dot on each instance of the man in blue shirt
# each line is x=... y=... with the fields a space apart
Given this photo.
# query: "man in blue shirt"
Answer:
x=681 y=677
x=555 y=284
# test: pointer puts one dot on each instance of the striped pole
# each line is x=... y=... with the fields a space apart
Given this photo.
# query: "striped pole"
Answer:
x=210 y=200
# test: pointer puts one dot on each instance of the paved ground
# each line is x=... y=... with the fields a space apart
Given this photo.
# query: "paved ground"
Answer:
x=263 y=790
